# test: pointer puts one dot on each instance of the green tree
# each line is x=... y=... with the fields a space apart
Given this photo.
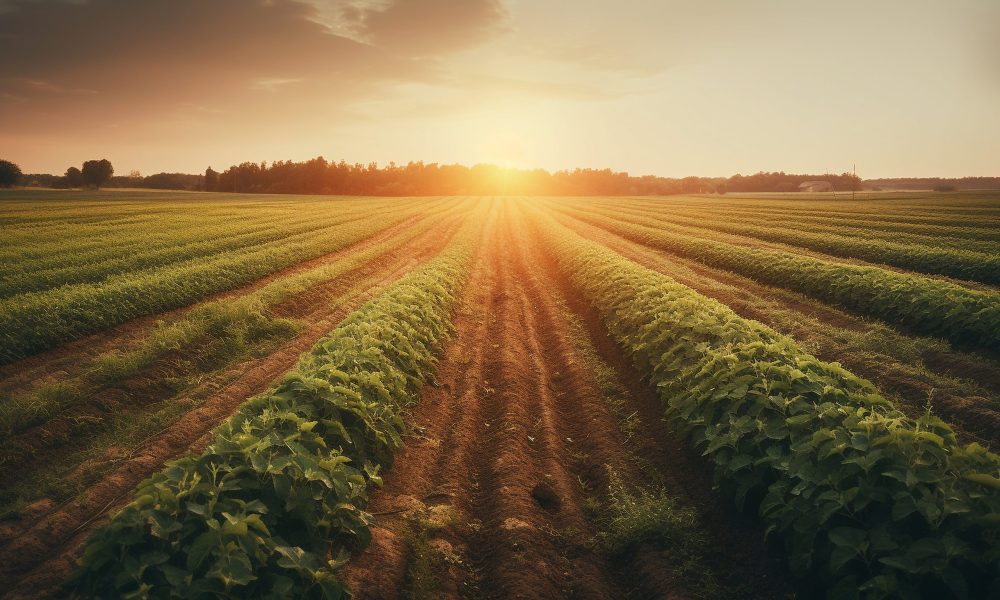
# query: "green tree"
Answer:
x=10 y=173
x=97 y=172
x=211 y=179
x=74 y=178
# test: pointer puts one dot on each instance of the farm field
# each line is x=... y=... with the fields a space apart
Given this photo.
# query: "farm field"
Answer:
x=737 y=396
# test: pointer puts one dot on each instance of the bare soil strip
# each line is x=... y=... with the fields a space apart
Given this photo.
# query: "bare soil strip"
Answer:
x=42 y=547
x=975 y=417
x=489 y=497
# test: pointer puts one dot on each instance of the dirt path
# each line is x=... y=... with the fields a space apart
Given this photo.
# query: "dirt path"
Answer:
x=494 y=496
x=39 y=550
x=977 y=417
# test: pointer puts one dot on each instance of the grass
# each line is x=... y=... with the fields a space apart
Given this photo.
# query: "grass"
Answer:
x=629 y=517
x=640 y=515
x=649 y=517
x=422 y=568
x=23 y=411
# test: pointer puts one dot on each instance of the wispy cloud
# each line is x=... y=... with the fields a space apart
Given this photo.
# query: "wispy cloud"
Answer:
x=271 y=85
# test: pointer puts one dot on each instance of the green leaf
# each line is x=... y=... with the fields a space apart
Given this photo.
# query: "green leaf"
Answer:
x=201 y=548
x=984 y=480
x=849 y=537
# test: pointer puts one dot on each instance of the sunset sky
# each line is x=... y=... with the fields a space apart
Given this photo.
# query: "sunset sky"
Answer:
x=673 y=88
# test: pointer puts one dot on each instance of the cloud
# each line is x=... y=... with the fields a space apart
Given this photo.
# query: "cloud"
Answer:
x=137 y=60
x=427 y=27
x=271 y=85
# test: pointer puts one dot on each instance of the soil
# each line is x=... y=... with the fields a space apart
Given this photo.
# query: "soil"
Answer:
x=493 y=494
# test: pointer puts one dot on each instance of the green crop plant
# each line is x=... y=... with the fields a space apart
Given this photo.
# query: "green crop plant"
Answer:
x=959 y=314
x=36 y=321
x=867 y=501
x=960 y=263
x=272 y=506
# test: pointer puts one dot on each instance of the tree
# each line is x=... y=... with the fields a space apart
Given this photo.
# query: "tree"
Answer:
x=97 y=172
x=211 y=180
x=74 y=178
x=10 y=173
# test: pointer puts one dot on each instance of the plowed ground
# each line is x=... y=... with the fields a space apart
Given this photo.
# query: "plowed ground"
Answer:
x=497 y=494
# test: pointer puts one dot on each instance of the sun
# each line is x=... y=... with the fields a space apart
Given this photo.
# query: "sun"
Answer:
x=505 y=149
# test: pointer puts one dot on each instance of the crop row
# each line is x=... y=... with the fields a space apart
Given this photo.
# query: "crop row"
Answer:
x=150 y=261
x=874 y=217
x=73 y=244
x=708 y=215
x=171 y=244
x=45 y=252
x=939 y=308
x=34 y=322
x=227 y=318
x=867 y=501
x=283 y=485
x=961 y=264
x=91 y=225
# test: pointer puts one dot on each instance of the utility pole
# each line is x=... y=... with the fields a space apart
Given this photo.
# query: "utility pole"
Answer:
x=854 y=181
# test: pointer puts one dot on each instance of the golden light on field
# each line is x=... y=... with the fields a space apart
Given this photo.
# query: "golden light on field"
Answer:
x=504 y=149
x=672 y=88
x=597 y=280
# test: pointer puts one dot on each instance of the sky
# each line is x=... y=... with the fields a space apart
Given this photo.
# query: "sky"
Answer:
x=668 y=87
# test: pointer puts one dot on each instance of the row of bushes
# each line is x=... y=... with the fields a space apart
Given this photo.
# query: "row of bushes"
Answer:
x=37 y=321
x=931 y=306
x=274 y=504
x=867 y=501
x=922 y=256
x=24 y=278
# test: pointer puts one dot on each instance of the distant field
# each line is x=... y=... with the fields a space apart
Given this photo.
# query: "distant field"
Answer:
x=592 y=387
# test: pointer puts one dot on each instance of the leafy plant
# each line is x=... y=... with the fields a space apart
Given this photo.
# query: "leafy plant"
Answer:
x=868 y=501
x=110 y=293
x=931 y=306
x=918 y=253
x=275 y=503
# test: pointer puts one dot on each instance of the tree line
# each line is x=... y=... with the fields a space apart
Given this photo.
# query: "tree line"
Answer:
x=92 y=174
x=938 y=184
x=318 y=176
x=102 y=175
x=786 y=182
